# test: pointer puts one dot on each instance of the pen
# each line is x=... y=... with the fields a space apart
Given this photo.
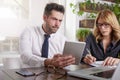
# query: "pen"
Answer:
x=88 y=51
x=92 y=58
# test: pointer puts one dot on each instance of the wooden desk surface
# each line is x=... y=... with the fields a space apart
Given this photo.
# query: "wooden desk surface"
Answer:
x=46 y=76
x=3 y=76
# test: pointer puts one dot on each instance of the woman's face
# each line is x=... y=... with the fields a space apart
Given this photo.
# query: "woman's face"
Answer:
x=104 y=28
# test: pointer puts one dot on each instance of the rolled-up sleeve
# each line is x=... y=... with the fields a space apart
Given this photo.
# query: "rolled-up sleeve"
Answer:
x=25 y=48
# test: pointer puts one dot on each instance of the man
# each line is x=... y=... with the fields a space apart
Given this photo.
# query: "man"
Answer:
x=32 y=40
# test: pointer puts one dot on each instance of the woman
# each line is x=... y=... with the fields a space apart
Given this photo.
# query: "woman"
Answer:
x=104 y=43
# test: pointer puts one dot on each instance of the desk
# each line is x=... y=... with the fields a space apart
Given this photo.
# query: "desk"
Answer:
x=47 y=76
x=3 y=76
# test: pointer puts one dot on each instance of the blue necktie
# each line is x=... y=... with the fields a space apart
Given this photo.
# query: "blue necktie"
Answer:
x=45 y=46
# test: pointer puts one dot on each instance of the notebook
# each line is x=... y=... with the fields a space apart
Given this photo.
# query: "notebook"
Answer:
x=98 y=73
x=75 y=49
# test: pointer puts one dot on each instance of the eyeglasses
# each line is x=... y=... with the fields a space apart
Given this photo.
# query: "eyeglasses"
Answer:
x=100 y=25
x=55 y=73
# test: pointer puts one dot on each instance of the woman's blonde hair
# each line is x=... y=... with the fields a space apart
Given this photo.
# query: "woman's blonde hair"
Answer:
x=108 y=17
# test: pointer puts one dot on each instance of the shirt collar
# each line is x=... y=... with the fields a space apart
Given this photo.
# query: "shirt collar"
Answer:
x=112 y=43
x=43 y=33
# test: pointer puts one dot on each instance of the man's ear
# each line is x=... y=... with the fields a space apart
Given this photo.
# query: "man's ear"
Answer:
x=44 y=17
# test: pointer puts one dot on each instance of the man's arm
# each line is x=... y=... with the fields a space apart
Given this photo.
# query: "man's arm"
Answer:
x=26 y=52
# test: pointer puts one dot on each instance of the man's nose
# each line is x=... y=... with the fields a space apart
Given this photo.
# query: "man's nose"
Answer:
x=58 y=23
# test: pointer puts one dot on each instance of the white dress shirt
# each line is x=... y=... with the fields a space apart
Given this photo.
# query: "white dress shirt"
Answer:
x=31 y=42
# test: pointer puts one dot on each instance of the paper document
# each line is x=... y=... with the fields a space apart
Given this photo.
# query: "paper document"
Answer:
x=99 y=63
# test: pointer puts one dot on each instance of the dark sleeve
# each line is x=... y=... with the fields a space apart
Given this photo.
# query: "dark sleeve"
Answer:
x=87 y=46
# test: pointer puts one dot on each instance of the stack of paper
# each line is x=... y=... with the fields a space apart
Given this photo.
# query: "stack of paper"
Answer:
x=99 y=63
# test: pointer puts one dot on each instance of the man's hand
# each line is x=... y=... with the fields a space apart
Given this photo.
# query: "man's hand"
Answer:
x=89 y=59
x=62 y=60
x=110 y=61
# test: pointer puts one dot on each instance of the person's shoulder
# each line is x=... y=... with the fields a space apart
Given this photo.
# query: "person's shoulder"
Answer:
x=29 y=30
x=91 y=35
x=118 y=42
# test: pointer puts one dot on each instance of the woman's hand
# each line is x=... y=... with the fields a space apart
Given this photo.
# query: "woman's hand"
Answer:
x=89 y=59
x=110 y=61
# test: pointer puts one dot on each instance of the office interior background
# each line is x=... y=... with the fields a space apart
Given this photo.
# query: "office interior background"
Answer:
x=15 y=15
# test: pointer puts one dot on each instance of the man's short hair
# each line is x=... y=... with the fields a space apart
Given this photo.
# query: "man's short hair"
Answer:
x=53 y=6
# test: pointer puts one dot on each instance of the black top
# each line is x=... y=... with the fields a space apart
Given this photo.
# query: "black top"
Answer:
x=96 y=48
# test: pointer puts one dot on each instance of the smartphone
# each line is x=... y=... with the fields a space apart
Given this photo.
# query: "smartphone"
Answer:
x=25 y=72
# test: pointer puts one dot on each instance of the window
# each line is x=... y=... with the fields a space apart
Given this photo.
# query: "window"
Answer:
x=15 y=9
x=12 y=13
